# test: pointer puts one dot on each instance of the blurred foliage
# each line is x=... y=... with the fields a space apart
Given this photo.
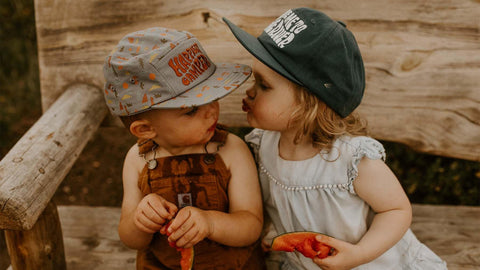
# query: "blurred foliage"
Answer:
x=19 y=81
x=425 y=178
x=434 y=179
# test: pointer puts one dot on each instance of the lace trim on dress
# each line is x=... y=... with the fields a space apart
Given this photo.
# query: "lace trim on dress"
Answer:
x=299 y=188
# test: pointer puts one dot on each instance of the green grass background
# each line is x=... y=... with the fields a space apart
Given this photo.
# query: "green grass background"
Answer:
x=425 y=178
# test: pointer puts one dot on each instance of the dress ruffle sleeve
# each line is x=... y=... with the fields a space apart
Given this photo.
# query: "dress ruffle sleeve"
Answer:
x=253 y=139
x=363 y=147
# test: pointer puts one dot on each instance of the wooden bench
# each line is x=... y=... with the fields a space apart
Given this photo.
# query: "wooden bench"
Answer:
x=422 y=90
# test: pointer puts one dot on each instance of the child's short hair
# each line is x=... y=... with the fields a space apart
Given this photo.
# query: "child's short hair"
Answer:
x=320 y=122
x=129 y=119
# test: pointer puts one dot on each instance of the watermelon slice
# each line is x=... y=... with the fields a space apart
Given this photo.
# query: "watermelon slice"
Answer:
x=187 y=254
x=186 y=262
x=303 y=242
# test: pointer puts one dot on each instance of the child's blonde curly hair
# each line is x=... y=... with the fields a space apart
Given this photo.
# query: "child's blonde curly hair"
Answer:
x=320 y=122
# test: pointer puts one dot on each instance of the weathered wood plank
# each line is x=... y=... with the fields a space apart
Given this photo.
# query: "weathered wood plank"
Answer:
x=451 y=231
x=91 y=239
x=422 y=57
x=92 y=242
x=33 y=169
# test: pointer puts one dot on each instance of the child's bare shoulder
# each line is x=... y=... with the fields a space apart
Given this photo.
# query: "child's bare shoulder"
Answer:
x=235 y=150
x=132 y=152
x=234 y=143
x=133 y=160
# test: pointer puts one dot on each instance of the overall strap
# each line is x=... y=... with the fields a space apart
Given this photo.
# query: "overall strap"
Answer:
x=145 y=146
x=220 y=135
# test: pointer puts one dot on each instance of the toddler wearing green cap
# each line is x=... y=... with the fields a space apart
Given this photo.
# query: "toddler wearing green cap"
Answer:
x=319 y=172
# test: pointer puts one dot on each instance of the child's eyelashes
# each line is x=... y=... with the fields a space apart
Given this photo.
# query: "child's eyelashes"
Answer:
x=260 y=82
x=263 y=86
x=192 y=111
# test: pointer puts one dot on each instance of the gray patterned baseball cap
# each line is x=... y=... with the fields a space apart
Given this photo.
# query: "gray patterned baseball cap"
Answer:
x=164 y=68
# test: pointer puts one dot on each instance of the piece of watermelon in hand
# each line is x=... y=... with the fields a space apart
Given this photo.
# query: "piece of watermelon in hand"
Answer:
x=303 y=242
x=187 y=254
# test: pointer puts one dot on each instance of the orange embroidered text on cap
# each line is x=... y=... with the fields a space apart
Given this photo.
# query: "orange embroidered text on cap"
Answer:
x=189 y=64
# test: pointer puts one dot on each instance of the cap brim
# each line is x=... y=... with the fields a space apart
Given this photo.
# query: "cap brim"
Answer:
x=226 y=78
x=255 y=47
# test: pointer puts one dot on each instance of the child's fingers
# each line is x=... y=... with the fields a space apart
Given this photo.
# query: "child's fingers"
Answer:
x=171 y=208
x=154 y=215
x=179 y=225
x=145 y=224
x=330 y=241
x=163 y=229
x=163 y=208
x=188 y=239
x=266 y=247
x=324 y=263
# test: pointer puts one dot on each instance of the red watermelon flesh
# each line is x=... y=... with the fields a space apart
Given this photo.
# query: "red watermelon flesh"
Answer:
x=187 y=254
x=303 y=242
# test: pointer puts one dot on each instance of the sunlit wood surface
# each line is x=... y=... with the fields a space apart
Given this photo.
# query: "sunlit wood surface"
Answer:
x=422 y=57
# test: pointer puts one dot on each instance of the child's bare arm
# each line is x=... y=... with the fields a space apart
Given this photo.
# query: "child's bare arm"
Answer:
x=377 y=186
x=242 y=225
x=141 y=216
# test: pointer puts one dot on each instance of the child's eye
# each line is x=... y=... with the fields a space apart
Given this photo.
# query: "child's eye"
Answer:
x=192 y=111
x=263 y=86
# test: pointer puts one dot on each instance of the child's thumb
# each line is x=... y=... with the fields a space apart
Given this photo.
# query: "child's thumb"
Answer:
x=329 y=241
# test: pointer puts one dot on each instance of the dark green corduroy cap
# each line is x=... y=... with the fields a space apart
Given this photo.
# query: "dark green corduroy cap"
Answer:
x=309 y=48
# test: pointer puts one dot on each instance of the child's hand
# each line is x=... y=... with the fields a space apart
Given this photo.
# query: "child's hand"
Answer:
x=152 y=212
x=191 y=225
x=345 y=256
x=266 y=247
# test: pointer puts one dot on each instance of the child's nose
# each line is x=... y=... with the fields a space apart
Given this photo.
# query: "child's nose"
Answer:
x=211 y=109
x=251 y=93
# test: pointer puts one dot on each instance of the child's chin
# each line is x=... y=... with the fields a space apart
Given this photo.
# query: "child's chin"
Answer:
x=251 y=122
x=208 y=137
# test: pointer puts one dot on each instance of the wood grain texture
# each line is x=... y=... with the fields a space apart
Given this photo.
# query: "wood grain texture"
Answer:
x=34 y=168
x=422 y=57
x=91 y=239
x=92 y=242
x=450 y=231
x=40 y=247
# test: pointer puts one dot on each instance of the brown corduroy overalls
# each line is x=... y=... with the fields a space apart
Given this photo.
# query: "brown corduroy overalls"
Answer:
x=200 y=180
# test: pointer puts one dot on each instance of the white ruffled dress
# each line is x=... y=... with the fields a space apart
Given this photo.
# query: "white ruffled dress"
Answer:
x=317 y=195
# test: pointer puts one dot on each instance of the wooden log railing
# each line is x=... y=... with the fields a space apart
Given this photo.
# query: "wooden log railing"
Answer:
x=34 y=168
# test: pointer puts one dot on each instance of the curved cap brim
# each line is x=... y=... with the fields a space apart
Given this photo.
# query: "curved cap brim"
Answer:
x=226 y=78
x=255 y=47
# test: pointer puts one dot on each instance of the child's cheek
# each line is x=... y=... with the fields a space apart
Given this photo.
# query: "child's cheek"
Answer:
x=259 y=117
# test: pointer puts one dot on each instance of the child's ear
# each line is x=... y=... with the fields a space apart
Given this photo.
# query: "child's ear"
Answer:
x=142 y=129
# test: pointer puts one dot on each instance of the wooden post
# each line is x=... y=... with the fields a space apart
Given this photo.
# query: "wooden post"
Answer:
x=38 y=248
x=4 y=259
